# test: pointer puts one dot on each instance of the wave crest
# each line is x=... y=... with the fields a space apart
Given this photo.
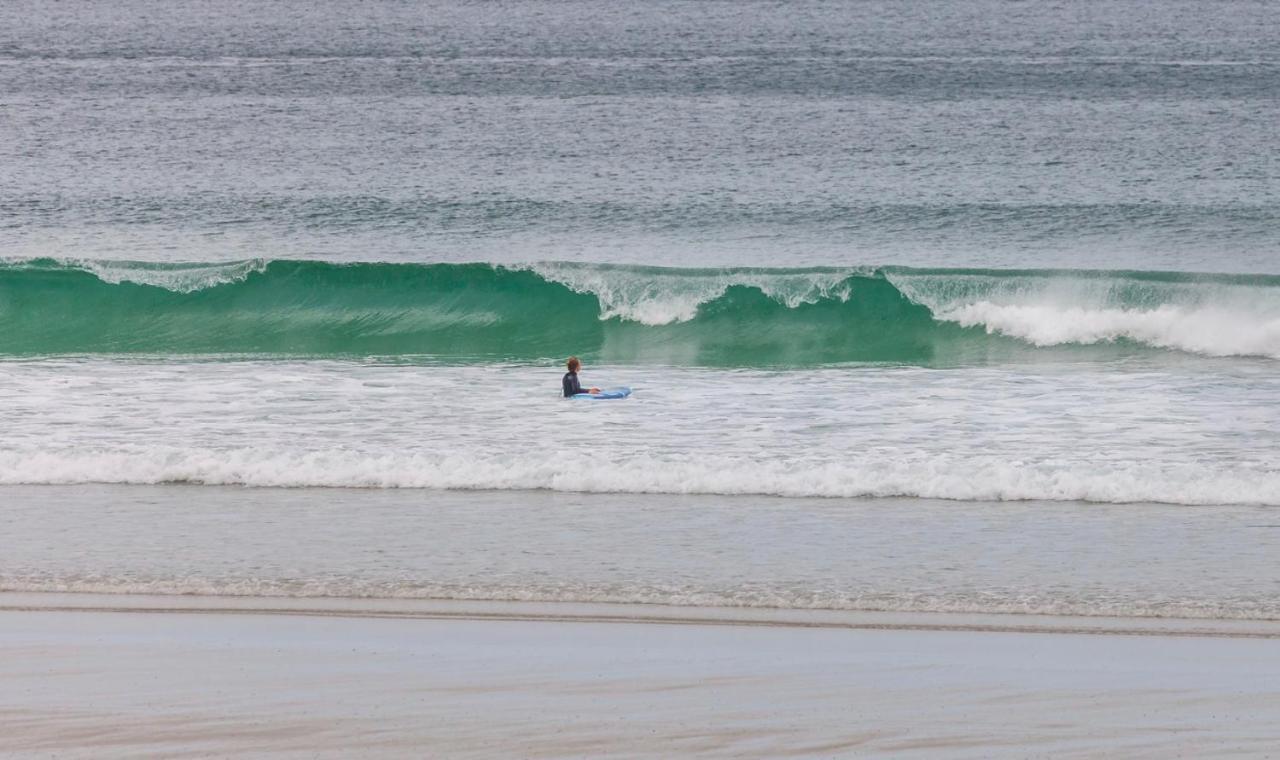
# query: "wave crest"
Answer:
x=713 y=317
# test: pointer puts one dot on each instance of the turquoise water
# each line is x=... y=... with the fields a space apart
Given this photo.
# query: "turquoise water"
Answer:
x=716 y=317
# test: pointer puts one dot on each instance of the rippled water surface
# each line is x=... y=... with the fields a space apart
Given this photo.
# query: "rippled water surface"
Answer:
x=877 y=554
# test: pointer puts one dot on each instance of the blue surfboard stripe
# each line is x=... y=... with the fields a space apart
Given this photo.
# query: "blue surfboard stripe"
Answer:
x=607 y=393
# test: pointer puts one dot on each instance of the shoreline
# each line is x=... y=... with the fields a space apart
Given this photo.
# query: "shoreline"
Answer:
x=637 y=614
x=198 y=677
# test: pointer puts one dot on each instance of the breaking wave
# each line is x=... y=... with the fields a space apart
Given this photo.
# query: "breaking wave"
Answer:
x=713 y=317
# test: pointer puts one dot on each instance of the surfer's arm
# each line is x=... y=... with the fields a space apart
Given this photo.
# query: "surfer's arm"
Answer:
x=572 y=387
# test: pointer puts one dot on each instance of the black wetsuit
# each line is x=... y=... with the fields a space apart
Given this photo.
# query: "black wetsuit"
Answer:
x=571 y=385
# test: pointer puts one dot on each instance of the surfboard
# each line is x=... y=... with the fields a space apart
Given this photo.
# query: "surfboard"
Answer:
x=605 y=393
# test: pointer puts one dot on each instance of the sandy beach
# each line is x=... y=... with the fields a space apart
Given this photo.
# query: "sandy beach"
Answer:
x=116 y=676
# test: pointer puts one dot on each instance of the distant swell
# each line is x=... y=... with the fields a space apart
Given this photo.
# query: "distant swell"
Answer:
x=714 y=317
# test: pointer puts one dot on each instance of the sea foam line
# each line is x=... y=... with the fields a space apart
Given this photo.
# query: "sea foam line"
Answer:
x=640 y=602
x=937 y=477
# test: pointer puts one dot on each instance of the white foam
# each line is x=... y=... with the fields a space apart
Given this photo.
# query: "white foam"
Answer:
x=180 y=278
x=1207 y=318
x=974 y=478
x=1207 y=331
x=659 y=297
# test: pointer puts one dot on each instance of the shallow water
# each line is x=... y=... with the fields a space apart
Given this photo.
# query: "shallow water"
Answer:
x=884 y=554
x=1142 y=431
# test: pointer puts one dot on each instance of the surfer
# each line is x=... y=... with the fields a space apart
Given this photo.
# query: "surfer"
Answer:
x=571 y=385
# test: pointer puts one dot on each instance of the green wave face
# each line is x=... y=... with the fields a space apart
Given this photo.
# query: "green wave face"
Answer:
x=627 y=314
x=302 y=308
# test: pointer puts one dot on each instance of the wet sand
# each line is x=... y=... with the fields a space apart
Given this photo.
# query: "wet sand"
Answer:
x=107 y=676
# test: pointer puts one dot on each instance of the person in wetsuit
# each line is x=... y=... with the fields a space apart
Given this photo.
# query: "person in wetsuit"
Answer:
x=571 y=385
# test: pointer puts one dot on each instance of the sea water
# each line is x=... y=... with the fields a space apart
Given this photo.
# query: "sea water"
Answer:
x=999 y=256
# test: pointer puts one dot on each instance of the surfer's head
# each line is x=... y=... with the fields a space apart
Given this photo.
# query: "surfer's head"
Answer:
x=573 y=364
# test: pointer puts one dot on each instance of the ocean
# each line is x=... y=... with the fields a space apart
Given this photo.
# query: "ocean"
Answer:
x=962 y=306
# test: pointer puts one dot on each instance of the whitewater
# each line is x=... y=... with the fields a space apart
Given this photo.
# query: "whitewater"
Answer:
x=1163 y=430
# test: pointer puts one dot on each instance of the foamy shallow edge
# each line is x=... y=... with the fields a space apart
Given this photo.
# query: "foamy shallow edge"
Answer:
x=648 y=614
x=960 y=478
